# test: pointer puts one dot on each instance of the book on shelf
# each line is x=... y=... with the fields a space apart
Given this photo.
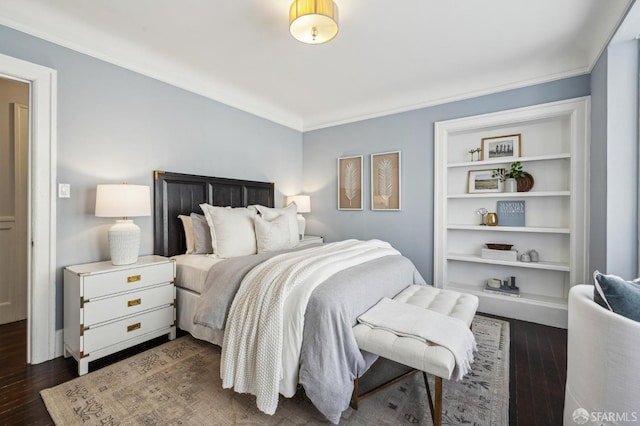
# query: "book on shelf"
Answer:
x=511 y=213
x=502 y=290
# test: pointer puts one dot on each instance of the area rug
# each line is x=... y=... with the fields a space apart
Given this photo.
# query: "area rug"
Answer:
x=178 y=383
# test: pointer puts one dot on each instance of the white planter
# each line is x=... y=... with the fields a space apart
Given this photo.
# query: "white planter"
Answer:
x=510 y=185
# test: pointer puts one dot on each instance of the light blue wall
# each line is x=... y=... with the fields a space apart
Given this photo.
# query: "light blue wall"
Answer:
x=410 y=230
x=622 y=158
x=598 y=181
x=614 y=161
x=115 y=125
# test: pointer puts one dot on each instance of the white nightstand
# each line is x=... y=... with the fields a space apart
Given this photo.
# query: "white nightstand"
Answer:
x=108 y=308
x=310 y=239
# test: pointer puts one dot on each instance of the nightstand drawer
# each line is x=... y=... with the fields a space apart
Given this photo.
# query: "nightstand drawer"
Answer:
x=106 y=309
x=96 y=285
x=109 y=334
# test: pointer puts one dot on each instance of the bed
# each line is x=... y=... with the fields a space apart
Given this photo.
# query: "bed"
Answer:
x=326 y=356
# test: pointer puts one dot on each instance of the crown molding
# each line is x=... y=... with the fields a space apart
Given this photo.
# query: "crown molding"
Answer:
x=310 y=126
x=183 y=78
x=155 y=69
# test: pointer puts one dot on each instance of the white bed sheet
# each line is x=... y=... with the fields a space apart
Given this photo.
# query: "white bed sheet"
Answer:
x=192 y=269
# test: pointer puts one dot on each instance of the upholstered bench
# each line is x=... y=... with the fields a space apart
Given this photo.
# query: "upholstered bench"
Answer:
x=418 y=354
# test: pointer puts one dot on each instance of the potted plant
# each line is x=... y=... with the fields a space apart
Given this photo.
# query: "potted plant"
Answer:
x=509 y=176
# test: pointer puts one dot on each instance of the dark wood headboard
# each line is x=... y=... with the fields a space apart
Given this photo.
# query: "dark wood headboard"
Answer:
x=177 y=193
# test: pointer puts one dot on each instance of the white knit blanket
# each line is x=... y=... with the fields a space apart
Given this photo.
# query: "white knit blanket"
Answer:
x=263 y=334
x=404 y=319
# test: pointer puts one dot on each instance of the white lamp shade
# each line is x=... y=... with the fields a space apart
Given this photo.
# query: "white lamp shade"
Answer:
x=303 y=204
x=123 y=201
x=302 y=201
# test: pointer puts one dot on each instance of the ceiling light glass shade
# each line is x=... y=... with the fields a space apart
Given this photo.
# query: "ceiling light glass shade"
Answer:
x=313 y=21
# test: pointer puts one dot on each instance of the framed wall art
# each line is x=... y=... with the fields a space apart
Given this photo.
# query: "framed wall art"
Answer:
x=483 y=181
x=350 y=183
x=385 y=181
x=508 y=146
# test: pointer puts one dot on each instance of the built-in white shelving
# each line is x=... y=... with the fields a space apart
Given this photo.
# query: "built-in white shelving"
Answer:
x=498 y=161
x=554 y=147
x=534 y=229
x=556 y=303
x=550 y=266
x=511 y=194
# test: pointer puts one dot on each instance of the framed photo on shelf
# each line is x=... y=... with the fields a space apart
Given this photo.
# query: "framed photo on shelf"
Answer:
x=481 y=182
x=508 y=146
x=385 y=181
x=350 y=183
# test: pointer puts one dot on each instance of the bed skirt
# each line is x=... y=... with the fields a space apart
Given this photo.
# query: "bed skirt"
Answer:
x=187 y=304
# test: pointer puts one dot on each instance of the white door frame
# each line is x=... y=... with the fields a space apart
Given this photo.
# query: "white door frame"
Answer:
x=41 y=311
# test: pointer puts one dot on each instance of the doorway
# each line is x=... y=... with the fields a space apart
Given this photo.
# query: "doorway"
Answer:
x=14 y=155
x=41 y=208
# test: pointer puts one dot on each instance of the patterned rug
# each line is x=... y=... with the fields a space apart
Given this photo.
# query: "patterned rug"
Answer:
x=178 y=383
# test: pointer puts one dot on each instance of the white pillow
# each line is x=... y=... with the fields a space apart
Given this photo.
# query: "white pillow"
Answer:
x=269 y=214
x=232 y=229
x=188 y=233
x=273 y=235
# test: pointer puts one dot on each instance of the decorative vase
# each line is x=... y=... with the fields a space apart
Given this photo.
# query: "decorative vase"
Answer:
x=124 y=242
x=510 y=185
x=492 y=219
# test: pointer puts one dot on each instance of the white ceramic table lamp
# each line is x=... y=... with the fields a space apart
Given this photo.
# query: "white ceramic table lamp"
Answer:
x=303 y=203
x=123 y=201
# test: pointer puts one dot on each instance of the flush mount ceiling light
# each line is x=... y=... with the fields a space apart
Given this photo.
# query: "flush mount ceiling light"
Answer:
x=313 y=21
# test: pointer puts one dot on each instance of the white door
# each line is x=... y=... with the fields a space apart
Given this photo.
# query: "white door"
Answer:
x=14 y=145
x=41 y=225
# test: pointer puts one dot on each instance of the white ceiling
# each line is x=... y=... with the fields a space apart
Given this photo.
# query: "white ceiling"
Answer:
x=389 y=56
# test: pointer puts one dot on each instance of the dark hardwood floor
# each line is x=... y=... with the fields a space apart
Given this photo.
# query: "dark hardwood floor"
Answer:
x=538 y=358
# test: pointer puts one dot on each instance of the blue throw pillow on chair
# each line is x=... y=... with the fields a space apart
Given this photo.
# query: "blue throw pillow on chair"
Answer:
x=617 y=295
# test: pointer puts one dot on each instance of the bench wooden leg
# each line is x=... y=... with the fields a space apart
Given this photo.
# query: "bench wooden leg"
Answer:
x=437 y=421
x=435 y=401
x=355 y=397
x=435 y=404
x=429 y=398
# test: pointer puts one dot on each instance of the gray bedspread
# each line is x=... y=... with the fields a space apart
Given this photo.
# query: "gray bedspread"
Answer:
x=222 y=283
x=330 y=358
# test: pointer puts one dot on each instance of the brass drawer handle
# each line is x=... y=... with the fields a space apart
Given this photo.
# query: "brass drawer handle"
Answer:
x=134 y=278
x=134 y=302
x=133 y=327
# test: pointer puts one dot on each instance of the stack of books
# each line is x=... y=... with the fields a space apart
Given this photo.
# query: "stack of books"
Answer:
x=504 y=290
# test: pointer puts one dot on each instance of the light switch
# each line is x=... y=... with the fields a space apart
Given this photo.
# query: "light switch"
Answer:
x=64 y=190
